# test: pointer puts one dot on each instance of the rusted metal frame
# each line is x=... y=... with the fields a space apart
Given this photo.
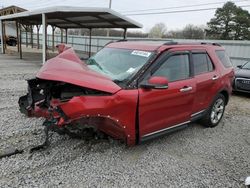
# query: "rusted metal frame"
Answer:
x=11 y=10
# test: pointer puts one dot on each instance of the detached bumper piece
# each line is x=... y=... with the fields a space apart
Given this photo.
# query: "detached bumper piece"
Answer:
x=24 y=105
x=48 y=126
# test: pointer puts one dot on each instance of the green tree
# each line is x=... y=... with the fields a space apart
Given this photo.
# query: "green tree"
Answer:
x=242 y=25
x=230 y=22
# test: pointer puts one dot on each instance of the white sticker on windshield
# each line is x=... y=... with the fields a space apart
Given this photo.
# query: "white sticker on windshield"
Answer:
x=130 y=70
x=141 y=53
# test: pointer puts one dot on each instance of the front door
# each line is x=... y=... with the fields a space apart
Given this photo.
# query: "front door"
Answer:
x=161 y=109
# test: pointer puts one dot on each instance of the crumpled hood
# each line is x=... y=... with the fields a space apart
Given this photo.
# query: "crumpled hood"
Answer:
x=245 y=73
x=67 y=67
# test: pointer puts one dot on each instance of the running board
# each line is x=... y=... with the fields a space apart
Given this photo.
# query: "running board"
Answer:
x=198 y=115
x=163 y=132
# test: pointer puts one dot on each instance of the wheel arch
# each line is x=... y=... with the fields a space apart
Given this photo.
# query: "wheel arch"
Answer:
x=225 y=94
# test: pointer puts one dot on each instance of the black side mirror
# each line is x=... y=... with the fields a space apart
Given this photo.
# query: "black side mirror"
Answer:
x=239 y=66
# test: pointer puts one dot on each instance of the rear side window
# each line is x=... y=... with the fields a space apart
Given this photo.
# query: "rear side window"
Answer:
x=225 y=60
x=202 y=63
x=175 y=68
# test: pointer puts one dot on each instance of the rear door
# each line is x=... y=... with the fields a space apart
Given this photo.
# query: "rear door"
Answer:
x=159 y=110
x=206 y=77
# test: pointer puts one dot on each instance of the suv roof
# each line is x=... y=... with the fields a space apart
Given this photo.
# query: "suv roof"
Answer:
x=159 y=45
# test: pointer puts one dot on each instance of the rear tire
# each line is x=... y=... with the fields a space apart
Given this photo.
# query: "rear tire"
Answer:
x=215 y=112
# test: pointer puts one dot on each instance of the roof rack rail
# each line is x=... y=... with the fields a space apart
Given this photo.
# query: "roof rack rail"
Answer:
x=122 y=40
x=211 y=43
x=170 y=43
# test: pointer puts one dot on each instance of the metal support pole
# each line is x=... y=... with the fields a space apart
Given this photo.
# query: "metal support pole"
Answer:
x=17 y=36
x=66 y=36
x=53 y=38
x=44 y=41
x=4 y=38
x=20 y=41
x=110 y=3
x=125 y=33
x=26 y=32
x=108 y=30
x=38 y=35
x=61 y=35
x=90 y=37
x=31 y=36
x=1 y=35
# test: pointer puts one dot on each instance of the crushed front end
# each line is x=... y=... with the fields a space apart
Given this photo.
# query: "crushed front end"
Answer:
x=75 y=109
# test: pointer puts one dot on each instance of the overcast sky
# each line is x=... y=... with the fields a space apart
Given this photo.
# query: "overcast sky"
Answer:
x=172 y=21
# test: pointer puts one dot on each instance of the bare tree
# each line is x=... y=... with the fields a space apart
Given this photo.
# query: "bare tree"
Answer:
x=188 y=32
x=158 y=31
x=193 y=32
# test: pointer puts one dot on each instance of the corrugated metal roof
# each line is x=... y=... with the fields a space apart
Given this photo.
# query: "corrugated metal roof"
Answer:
x=75 y=17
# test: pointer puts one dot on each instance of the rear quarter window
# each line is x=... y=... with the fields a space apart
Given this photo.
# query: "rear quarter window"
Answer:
x=224 y=58
x=202 y=63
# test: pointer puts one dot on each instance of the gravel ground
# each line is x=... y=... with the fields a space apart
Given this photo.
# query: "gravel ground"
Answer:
x=193 y=157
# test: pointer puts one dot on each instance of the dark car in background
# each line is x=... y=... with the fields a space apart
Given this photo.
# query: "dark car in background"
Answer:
x=10 y=40
x=242 y=78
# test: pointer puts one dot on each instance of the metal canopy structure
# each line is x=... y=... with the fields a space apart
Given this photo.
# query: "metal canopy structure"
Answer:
x=11 y=10
x=65 y=17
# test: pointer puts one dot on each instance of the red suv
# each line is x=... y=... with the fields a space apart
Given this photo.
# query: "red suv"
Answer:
x=132 y=91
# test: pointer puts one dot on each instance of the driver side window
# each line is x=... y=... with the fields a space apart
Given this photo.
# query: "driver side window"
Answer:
x=175 y=68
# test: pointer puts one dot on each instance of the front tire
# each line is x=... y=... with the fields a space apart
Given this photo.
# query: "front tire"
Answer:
x=215 y=112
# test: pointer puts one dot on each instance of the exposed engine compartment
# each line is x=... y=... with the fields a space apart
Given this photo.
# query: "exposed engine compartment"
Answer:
x=79 y=111
x=42 y=94
x=43 y=91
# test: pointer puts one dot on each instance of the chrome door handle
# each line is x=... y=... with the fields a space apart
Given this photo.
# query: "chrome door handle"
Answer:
x=186 y=89
x=215 y=78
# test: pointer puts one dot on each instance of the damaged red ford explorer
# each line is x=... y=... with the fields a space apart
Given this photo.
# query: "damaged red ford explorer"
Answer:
x=132 y=91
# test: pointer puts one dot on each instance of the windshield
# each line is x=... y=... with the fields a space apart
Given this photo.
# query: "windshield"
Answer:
x=246 y=66
x=118 y=64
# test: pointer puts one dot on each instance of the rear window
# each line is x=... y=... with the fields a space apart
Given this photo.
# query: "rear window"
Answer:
x=225 y=60
x=202 y=63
